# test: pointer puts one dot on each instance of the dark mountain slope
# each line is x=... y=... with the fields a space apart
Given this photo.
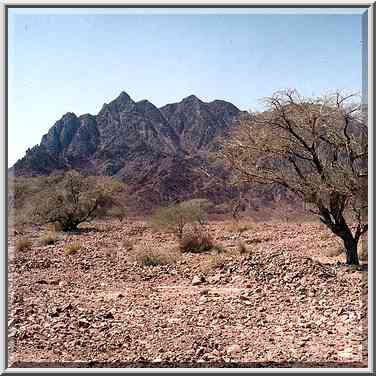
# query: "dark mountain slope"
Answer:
x=156 y=151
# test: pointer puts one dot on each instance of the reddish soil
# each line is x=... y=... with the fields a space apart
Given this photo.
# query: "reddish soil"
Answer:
x=287 y=302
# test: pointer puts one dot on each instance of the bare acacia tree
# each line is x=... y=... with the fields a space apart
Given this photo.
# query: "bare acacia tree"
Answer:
x=317 y=149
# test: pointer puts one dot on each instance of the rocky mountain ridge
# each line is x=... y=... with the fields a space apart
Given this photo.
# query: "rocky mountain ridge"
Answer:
x=156 y=151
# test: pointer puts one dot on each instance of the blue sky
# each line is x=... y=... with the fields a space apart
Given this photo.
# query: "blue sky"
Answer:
x=62 y=60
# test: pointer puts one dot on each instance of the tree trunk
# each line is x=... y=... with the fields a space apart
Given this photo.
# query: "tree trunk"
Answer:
x=351 y=248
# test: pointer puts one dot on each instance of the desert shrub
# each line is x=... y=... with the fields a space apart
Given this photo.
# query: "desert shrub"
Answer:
x=175 y=218
x=196 y=241
x=71 y=198
x=72 y=248
x=49 y=238
x=23 y=244
x=147 y=255
x=151 y=260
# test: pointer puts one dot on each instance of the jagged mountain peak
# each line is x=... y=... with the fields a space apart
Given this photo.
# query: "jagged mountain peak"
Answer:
x=192 y=99
x=123 y=97
x=68 y=116
x=123 y=102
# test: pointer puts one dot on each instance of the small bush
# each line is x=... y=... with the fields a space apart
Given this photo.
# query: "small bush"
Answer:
x=23 y=244
x=196 y=242
x=49 y=238
x=151 y=260
x=175 y=218
x=147 y=255
x=72 y=248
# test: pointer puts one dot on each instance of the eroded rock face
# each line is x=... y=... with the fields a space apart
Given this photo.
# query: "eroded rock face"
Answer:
x=197 y=122
x=156 y=151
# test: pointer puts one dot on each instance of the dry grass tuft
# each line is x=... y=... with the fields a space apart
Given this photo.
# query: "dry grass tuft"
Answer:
x=72 y=248
x=147 y=255
x=49 y=238
x=211 y=262
x=23 y=244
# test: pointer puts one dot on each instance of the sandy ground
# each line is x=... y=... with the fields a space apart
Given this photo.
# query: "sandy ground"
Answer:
x=287 y=302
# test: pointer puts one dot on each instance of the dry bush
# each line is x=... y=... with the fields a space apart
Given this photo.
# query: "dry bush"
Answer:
x=23 y=244
x=49 y=238
x=147 y=255
x=196 y=241
x=72 y=248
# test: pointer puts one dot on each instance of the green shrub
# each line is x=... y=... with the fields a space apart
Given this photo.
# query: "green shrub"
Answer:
x=175 y=218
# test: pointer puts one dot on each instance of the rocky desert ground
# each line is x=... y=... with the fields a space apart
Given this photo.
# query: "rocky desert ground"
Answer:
x=92 y=299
